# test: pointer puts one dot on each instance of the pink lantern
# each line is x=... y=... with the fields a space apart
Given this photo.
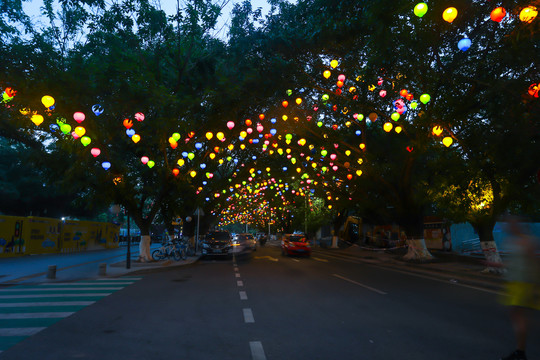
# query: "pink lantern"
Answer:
x=230 y=125
x=341 y=78
x=139 y=116
x=260 y=128
x=79 y=117
x=333 y=156
x=75 y=135
x=382 y=93
x=249 y=130
x=95 y=152
x=335 y=168
x=144 y=159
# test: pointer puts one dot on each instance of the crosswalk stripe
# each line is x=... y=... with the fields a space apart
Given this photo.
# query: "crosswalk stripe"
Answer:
x=50 y=315
x=52 y=295
x=49 y=303
x=58 y=289
x=27 y=331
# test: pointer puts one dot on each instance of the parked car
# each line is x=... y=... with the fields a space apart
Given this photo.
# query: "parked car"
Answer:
x=244 y=242
x=295 y=244
x=217 y=243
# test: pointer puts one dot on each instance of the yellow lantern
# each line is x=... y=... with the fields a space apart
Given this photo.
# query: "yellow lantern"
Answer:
x=136 y=138
x=447 y=141
x=348 y=152
x=242 y=146
x=212 y=156
x=334 y=64
x=358 y=172
x=302 y=142
x=398 y=129
x=437 y=130
x=298 y=101
x=450 y=14
x=243 y=134
x=230 y=147
x=220 y=136
x=79 y=130
x=327 y=74
x=193 y=173
x=388 y=127
x=181 y=162
x=37 y=119
x=362 y=146
x=47 y=101
x=528 y=14
x=284 y=117
x=209 y=135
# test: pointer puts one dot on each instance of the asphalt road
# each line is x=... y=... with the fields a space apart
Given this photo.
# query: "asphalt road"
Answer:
x=266 y=306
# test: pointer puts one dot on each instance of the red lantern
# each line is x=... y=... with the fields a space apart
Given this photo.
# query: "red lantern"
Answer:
x=248 y=122
x=534 y=89
x=261 y=116
x=128 y=123
x=285 y=103
x=498 y=14
x=403 y=93
x=349 y=176
x=176 y=172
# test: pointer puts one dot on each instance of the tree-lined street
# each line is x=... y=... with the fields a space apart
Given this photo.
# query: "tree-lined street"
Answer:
x=274 y=307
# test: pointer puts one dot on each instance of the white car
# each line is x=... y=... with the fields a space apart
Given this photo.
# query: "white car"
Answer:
x=244 y=242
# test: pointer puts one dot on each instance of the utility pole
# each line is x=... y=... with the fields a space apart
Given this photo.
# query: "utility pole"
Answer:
x=128 y=254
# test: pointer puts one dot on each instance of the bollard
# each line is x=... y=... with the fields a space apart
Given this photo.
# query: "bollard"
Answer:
x=51 y=272
x=102 y=269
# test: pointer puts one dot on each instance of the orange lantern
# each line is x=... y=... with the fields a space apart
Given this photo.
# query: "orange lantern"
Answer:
x=528 y=14
x=450 y=14
x=498 y=14
x=284 y=103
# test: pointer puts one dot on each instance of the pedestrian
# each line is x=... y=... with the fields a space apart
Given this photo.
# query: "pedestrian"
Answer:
x=523 y=284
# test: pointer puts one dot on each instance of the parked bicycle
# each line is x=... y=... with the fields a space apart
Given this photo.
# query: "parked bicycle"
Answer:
x=172 y=249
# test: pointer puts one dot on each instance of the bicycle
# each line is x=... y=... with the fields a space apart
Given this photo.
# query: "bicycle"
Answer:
x=170 y=249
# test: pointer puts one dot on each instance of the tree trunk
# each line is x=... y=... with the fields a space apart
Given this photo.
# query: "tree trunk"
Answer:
x=144 y=245
x=417 y=250
x=484 y=228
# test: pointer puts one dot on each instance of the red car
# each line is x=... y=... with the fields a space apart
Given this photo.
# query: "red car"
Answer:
x=295 y=244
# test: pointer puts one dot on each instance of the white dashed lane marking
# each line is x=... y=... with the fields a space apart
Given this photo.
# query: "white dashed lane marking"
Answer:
x=359 y=284
x=243 y=295
x=240 y=283
x=257 y=351
x=248 y=316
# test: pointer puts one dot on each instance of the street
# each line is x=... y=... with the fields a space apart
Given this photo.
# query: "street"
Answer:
x=266 y=306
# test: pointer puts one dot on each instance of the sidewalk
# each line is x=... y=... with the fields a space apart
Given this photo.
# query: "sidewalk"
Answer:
x=446 y=266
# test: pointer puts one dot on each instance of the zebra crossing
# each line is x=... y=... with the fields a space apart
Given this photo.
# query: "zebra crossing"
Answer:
x=26 y=310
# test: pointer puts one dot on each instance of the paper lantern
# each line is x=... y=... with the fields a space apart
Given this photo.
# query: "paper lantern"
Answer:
x=85 y=140
x=181 y=162
x=191 y=156
x=450 y=14
x=106 y=165
x=136 y=138
x=79 y=117
x=209 y=135
x=420 y=9
x=447 y=141
x=47 y=101
x=358 y=172
x=285 y=103
x=220 y=136
x=327 y=74
x=139 y=116
x=79 y=130
x=437 y=130
x=334 y=64
x=373 y=116
x=528 y=14
x=403 y=92
x=65 y=128
x=413 y=105
x=534 y=90
x=498 y=14
x=362 y=146
x=128 y=123
x=193 y=173
x=38 y=119
x=388 y=127
x=95 y=152
x=464 y=44
x=425 y=98
x=298 y=101
x=176 y=136
x=382 y=93
x=395 y=116
x=150 y=164
x=97 y=109
x=176 y=172
x=130 y=132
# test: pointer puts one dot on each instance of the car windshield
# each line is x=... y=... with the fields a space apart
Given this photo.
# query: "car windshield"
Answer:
x=297 y=238
x=217 y=235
